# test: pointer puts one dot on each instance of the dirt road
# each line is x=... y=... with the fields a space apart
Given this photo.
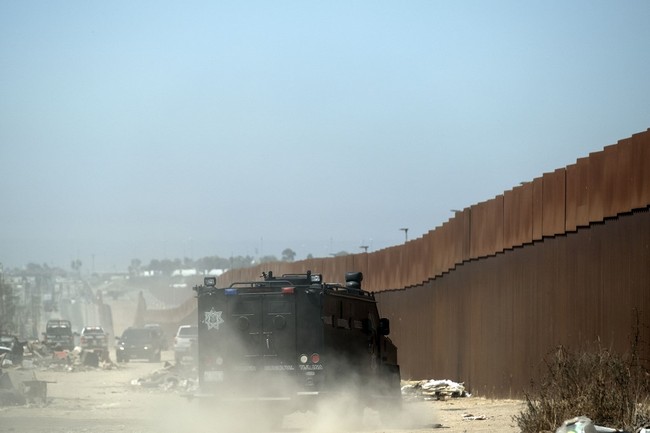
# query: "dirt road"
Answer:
x=95 y=400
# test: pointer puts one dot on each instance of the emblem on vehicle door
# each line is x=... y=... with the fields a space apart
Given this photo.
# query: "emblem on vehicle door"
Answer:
x=213 y=319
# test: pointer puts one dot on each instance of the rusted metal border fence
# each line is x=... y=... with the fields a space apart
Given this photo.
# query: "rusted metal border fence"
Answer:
x=562 y=259
x=491 y=322
x=607 y=183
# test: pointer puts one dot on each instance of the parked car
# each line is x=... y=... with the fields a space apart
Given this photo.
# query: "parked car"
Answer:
x=185 y=342
x=11 y=348
x=59 y=335
x=93 y=338
x=93 y=342
x=138 y=343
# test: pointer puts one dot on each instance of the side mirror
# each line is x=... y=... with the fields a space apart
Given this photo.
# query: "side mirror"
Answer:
x=384 y=326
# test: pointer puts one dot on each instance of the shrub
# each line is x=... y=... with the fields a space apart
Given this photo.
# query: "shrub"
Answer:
x=610 y=389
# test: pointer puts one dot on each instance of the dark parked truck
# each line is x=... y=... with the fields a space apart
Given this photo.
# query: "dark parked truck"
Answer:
x=294 y=341
x=59 y=335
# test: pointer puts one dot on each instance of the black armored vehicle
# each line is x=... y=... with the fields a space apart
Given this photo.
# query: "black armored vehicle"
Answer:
x=294 y=340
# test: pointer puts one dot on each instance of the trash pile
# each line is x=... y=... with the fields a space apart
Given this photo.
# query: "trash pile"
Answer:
x=18 y=382
x=172 y=377
x=432 y=389
x=38 y=355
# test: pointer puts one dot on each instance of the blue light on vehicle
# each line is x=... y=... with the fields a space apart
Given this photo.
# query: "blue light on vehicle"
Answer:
x=231 y=291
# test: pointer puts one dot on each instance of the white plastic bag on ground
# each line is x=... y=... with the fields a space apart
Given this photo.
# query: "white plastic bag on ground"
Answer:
x=583 y=424
x=579 y=424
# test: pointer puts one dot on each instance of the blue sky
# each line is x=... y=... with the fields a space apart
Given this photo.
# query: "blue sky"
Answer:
x=188 y=129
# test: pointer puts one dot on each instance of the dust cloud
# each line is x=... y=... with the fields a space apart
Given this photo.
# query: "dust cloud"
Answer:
x=344 y=412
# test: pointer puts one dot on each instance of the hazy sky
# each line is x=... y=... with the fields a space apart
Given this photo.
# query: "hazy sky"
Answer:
x=155 y=129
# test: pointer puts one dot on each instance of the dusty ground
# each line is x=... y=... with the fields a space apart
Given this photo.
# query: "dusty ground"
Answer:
x=497 y=413
x=97 y=400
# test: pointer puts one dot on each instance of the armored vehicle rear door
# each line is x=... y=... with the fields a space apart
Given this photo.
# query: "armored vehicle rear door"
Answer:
x=244 y=334
x=268 y=327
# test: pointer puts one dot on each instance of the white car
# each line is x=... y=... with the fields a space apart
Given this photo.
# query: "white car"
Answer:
x=93 y=338
x=185 y=342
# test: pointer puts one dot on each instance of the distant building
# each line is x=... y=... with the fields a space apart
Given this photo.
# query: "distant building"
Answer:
x=184 y=273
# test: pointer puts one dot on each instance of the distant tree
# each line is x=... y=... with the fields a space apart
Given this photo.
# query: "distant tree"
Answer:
x=309 y=256
x=165 y=267
x=288 y=255
x=341 y=253
x=35 y=268
x=32 y=267
x=134 y=268
x=268 y=259
x=154 y=265
x=241 y=262
x=212 y=262
x=76 y=265
x=169 y=266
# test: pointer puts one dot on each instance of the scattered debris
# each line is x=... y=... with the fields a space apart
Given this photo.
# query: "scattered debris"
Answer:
x=433 y=389
x=470 y=417
x=583 y=424
x=18 y=382
x=172 y=377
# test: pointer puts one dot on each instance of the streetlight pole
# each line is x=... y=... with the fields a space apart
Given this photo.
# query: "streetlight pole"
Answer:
x=406 y=233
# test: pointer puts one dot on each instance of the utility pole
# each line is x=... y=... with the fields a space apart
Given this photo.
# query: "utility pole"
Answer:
x=406 y=233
